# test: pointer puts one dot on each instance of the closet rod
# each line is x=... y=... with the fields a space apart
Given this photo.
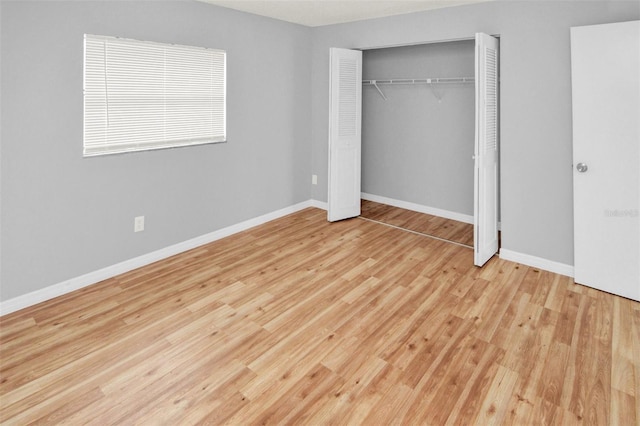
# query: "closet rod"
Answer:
x=436 y=80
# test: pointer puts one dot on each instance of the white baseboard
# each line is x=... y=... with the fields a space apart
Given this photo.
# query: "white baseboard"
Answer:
x=319 y=204
x=55 y=290
x=537 y=262
x=418 y=208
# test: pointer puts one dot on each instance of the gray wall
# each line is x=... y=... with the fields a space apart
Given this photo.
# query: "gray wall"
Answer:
x=536 y=174
x=64 y=215
x=415 y=147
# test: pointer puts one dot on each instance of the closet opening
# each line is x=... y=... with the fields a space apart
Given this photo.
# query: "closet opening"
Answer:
x=418 y=138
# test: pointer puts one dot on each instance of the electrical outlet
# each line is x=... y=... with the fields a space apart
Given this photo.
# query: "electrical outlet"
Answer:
x=314 y=179
x=138 y=224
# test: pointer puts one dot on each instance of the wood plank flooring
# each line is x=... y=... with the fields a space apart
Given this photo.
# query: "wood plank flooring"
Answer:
x=301 y=321
x=439 y=227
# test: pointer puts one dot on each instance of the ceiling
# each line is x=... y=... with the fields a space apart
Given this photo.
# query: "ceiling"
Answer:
x=314 y=13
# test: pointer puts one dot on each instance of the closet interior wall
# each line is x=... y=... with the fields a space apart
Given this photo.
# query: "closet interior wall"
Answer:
x=417 y=145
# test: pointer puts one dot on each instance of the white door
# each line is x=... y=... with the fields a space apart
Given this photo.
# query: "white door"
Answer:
x=606 y=156
x=345 y=119
x=485 y=194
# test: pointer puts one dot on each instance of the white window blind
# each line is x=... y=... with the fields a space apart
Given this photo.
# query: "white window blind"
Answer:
x=142 y=95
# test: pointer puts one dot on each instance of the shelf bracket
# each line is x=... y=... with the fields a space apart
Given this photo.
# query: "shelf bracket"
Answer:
x=437 y=95
x=375 y=84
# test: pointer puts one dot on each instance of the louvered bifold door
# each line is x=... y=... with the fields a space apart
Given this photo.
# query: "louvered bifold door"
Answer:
x=345 y=118
x=486 y=150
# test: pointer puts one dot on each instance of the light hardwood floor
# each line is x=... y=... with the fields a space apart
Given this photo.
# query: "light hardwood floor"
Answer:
x=306 y=322
x=439 y=227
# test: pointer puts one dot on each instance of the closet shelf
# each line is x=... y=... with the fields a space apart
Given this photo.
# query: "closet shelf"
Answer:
x=436 y=80
x=429 y=81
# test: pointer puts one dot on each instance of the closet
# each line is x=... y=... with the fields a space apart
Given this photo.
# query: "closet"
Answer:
x=424 y=131
x=418 y=124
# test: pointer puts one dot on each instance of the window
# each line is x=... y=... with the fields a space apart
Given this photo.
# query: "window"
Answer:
x=141 y=95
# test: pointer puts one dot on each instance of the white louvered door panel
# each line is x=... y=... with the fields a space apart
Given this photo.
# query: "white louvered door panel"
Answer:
x=486 y=150
x=345 y=118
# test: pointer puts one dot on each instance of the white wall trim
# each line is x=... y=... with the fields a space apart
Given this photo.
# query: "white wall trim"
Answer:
x=460 y=217
x=537 y=262
x=55 y=290
x=319 y=204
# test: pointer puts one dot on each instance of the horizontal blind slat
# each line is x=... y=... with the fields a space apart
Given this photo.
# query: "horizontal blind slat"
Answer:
x=146 y=95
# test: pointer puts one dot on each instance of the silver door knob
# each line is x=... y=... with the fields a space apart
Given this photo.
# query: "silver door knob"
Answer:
x=581 y=167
